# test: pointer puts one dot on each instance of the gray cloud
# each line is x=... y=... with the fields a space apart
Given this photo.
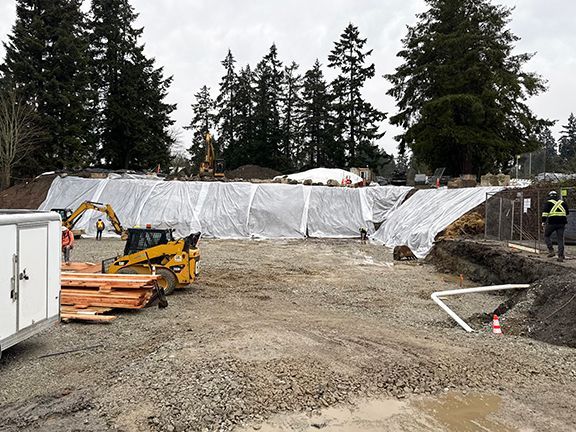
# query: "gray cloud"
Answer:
x=190 y=38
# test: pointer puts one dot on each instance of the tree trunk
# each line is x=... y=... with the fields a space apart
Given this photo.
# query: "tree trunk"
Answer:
x=5 y=176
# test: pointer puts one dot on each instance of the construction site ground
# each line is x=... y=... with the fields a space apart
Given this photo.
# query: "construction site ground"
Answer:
x=289 y=335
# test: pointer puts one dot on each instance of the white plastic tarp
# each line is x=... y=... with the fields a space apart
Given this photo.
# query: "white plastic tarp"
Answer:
x=322 y=175
x=229 y=210
x=417 y=222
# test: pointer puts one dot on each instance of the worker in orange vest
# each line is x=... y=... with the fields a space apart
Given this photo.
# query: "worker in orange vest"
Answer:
x=67 y=243
x=99 y=229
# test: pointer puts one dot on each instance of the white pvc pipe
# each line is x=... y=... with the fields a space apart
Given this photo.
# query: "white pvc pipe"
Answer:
x=436 y=297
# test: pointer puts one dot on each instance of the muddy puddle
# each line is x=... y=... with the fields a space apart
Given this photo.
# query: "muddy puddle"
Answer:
x=451 y=412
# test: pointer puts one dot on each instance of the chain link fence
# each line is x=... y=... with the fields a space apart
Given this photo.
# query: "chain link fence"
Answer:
x=514 y=216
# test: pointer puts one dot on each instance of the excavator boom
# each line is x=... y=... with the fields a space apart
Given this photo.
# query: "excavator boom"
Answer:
x=107 y=209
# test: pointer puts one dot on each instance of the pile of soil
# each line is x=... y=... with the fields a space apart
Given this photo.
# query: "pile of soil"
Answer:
x=27 y=195
x=252 y=172
x=471 y=224
x=547 y=311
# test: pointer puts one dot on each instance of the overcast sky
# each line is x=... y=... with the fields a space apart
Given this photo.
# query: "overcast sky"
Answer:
x=190 y=38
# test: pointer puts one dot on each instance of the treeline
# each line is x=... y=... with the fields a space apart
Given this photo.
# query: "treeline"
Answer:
x=561 y=153
x=277 y=116
x=98 y=100
x=83 y=93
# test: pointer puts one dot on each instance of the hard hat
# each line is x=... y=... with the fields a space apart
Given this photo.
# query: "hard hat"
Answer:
x=552 y=193
x=64 y=229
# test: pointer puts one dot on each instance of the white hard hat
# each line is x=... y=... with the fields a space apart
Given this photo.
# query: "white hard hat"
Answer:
x=64 y=229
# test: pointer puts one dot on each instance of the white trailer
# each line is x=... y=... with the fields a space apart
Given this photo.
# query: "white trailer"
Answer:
x=29 y=274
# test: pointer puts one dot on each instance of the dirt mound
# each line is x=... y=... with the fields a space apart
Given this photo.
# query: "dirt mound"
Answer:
x=26 y=195
x=547 y=311
x=252 y=172
x=470 y=224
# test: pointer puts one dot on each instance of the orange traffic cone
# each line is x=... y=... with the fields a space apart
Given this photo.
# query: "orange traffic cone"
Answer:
x=496 y=325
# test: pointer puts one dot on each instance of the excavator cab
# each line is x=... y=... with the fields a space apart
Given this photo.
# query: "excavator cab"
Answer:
x=64 y=213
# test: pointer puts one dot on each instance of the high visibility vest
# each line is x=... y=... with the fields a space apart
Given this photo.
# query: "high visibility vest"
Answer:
x=100 y=225
x=557 y=209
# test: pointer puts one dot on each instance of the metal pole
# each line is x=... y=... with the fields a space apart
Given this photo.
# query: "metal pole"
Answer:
x=512 y=224
x=538 y=220
x=500 y=222
x=522 y=207
x=486 y=217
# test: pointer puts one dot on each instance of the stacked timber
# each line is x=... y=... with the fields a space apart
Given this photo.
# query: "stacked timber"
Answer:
x=86 y=296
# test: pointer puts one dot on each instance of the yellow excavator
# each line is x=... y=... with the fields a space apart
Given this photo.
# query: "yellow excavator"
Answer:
x=210 y=166
x=149 y=250
x=70 y=218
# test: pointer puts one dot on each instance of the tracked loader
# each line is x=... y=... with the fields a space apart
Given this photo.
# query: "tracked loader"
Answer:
x=150 y=250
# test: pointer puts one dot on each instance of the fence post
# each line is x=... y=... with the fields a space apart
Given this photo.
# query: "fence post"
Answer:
x=500 y=222
x=522 y=207
x=512 y=224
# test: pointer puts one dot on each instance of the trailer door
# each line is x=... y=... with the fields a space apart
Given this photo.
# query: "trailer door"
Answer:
x=32 y=274
x=8 y=273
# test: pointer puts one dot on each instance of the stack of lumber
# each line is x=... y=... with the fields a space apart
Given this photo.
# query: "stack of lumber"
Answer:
x=86 y=296
x=81 y=267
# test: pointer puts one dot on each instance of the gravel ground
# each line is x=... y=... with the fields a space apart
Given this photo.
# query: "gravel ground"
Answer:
x=274 y=328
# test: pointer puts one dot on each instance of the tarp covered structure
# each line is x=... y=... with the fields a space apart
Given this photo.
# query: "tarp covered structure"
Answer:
x=230 y=210
x=426 y=213
x=322 y=175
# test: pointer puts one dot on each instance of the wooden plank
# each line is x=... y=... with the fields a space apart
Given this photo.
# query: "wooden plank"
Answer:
x=98 y=318
x=115 y=276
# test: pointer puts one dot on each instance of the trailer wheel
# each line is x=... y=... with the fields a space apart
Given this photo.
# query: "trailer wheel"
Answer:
x=167 y=281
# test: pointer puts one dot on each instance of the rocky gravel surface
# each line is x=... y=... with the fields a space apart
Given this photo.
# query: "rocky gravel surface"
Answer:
x=278 y=327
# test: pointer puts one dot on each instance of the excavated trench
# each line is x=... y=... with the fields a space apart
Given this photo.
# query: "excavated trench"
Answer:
x=546 y=311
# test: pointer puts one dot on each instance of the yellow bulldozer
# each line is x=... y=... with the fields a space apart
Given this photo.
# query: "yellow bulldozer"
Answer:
x=70 y=218
x=149 y=250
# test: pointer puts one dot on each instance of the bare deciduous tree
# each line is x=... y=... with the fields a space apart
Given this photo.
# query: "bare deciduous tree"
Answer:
x=19 y=133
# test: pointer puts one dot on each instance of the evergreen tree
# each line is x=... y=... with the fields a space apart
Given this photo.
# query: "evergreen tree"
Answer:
x=357 y=120
x=134 y=119
x=241 y=150
x=46 y=62
x=225 y=102
x=267 y=130
x=318 y=134
x=568 y=139
x=203 y=122
x=460 y=91
x=291 y=116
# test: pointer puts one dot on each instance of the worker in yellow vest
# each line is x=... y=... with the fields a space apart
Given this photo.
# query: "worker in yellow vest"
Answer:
x=99 y=229
x=554 y=219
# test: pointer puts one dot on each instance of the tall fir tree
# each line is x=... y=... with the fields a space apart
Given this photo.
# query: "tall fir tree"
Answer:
x=568 y=139
x=267 y=138
x=461 y=92
x=357 y=120
x=225 y=104
x=46 y=62
x=133 y=115
x=318 y=148
x=203 y=122
x=291 y=103
x=241 y=151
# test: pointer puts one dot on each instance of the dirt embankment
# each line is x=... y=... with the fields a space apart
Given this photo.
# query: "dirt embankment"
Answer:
x=26 y=195
x=252 y=172
x=546 y=311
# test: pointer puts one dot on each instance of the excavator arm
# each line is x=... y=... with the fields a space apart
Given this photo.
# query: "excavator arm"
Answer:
x=103 y=208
